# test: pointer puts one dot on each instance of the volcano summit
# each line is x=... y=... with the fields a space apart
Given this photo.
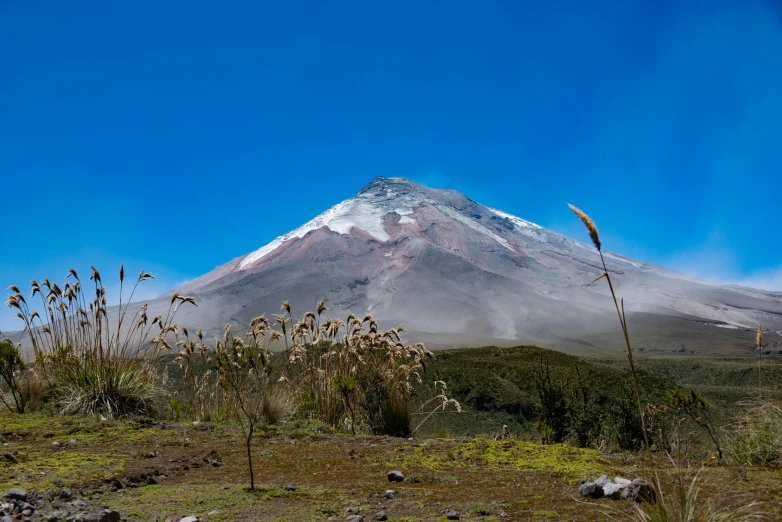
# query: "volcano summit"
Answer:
x=455 y=272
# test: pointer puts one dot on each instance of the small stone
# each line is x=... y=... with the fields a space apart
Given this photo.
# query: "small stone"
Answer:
x=191 y=518
x=10 y=458
x=65 y=494
x=56 y=444
x=640 y=491
x=355 y=518
x=381 y=515
x=390 y=493
x=72 y=442
x=290 y=487
x=214 y=512
x=614 y=491
x=452 y=514
x=590 y=490
x=603 y=480
x=395 y=476
x=622 y=481
x=109 y=516
x=15 y=494
x=6 y=519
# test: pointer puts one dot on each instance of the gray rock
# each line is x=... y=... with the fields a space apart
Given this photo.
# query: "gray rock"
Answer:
x=355 y=518
x=6 y=519
x=640 y=491
x=109 y=516
x=191 y=518
x=380 y=516
x=214 y=512
x=622 y=481
x=452 y=514
x=614 y=491
x=66 y=494
x=390 y=493
x=290 y=487
x=15 y=494
x=603 y=480
x=10 y=458
x=395 y=476
x=590 y=490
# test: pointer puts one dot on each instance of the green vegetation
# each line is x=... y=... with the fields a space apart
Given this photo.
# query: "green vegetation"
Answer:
x=105 y=375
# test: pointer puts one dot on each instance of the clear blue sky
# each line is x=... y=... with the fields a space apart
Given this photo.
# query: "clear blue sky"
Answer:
x=177 y=136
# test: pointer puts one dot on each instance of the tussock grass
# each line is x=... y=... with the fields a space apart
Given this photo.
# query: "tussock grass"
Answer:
x=755 y=439
x=91 y=362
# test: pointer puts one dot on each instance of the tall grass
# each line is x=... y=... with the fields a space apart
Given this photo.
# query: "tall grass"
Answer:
x=95 y=363
x=755 y=439
x=593 y=234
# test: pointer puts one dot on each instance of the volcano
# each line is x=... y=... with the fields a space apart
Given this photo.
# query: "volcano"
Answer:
x=457 y=273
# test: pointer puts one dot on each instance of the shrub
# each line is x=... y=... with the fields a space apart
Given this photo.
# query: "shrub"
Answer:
x=585 y=419
x=624 y=419
x=696 y=407
x=244 y=371
x=553 y=421
x=11 y=366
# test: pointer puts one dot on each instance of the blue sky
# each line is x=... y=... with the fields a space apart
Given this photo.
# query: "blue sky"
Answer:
x=177 y=136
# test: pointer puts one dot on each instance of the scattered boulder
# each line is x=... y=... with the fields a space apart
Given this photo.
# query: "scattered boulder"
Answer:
x=620 y=488
x=613 y=490
x=590 y=490
x=390 y=494
x=640 y=491
x=355 y=518
x=452 y=514
x=191 y=518
x=381 y=515
x=290 y=487
x=17 y=494
x=109 y=516
x=10 y=458
x=603 y=480
x=395 y=476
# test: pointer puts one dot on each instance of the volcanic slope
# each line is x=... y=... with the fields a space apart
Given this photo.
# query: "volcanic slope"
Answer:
x=456 y=273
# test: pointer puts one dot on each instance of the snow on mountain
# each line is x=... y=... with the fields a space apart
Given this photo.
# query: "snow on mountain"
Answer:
x=442 y=263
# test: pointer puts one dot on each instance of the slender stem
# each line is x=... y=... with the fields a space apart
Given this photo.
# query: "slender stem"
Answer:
x=629 y=354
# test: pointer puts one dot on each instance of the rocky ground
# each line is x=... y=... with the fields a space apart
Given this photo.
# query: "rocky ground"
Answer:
x=78 y=469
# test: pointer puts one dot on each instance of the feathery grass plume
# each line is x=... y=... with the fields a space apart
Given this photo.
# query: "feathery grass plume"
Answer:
x=759 y=341
x=93 y=366
x=592 y=228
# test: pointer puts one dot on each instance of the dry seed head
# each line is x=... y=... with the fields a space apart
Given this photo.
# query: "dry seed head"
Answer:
x=588 y=223
x=759 y=338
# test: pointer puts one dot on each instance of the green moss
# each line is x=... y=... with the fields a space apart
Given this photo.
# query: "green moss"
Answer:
x=60 y=468
x=522 y=456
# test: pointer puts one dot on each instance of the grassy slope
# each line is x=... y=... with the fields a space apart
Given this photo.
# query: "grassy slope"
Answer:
x=496 y=385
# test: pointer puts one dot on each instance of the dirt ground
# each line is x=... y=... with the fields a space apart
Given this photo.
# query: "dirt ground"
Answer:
x=156 y=471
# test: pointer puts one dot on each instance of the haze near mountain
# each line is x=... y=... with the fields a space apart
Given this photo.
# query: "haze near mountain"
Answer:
x=457 y=273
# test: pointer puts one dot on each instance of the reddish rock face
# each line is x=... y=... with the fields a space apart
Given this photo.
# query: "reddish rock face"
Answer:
x=445 y=265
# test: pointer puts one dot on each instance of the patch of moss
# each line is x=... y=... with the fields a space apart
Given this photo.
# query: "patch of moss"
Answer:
x=44 y=470
x=523 y=456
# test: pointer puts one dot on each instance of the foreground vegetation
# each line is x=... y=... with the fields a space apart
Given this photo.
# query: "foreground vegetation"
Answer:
x=152 y=470
x=542 y=418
